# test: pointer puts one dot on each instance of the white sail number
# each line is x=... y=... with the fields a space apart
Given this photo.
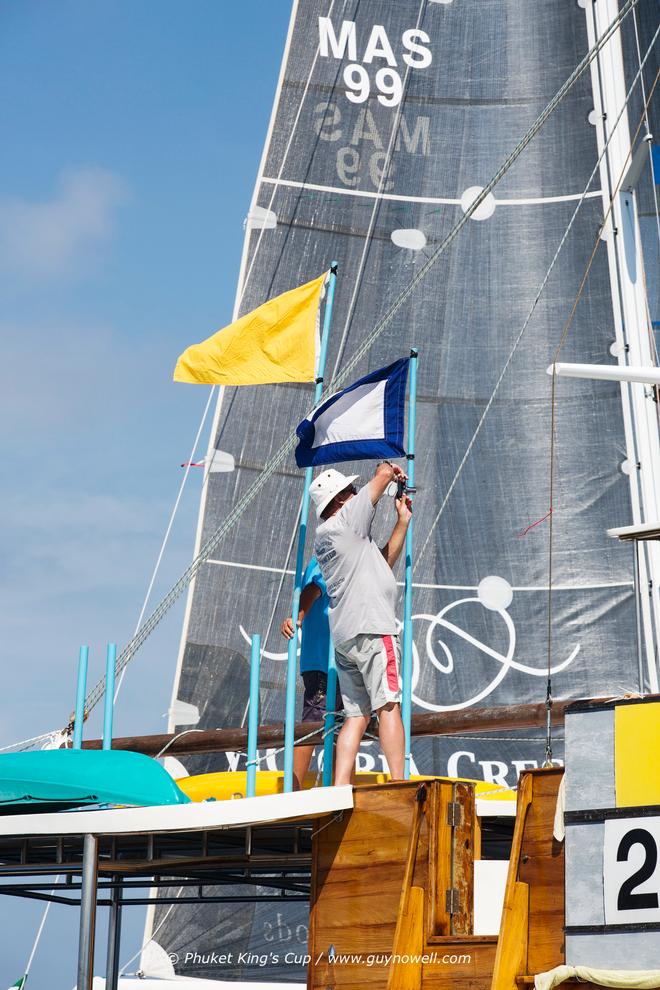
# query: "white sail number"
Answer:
x=387 y=79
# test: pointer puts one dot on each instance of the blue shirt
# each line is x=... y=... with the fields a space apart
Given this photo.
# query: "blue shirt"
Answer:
x=315 y=644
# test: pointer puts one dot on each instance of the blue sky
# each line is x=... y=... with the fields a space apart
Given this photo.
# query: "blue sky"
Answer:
x=131 y=136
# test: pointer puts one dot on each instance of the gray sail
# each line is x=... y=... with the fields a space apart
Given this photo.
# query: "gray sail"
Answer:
x=387 y=117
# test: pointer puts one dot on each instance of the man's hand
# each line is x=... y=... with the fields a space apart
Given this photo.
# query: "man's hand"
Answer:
x=403 y=509
x=308 y=596
x=287 y=629
x=383 y=475
x=392 y=549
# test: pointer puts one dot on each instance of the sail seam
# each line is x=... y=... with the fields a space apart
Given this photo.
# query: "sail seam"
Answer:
x=447 y=587
x=429 y=200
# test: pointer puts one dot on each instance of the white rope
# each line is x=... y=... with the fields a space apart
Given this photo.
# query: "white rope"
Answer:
x=269 y=469
x=468 y=737
x=531 y=312
x=174 y=739
x=169 y=527
x=271 y=753
x=152 y=936
x=27 y=743
x=37 y=937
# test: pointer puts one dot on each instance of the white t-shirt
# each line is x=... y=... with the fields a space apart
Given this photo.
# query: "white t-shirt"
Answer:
x=360 y=582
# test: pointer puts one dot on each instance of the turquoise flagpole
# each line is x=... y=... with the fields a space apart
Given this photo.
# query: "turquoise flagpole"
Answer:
x=79 y=719
x=253 y=717
x=292 y=655
x=406 y=669
x=110 y=662
x=329 y=718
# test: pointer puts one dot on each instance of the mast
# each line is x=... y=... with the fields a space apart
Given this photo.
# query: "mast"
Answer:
x=633 y=335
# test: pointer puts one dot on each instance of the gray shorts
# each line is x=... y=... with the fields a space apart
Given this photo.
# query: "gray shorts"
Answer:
x=368 y=669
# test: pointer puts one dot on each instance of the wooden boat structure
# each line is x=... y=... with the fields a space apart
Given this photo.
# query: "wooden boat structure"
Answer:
x=411 y=884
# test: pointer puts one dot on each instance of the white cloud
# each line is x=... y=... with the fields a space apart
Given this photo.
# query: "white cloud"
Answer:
x=54 y=238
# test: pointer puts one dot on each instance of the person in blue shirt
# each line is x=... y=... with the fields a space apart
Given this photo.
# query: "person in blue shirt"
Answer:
x=314 y=652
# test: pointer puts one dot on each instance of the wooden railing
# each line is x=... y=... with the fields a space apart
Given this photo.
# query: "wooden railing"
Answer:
x=531 y=936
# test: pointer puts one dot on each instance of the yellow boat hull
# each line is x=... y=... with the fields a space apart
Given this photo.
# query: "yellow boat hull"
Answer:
x=232 y=784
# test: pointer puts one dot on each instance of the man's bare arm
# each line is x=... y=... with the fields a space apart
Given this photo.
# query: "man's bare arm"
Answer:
x=384 y=473
x=392 y=549
x=308 y=596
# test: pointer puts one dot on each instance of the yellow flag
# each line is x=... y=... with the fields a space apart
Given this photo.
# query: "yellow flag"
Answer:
x=278 y=342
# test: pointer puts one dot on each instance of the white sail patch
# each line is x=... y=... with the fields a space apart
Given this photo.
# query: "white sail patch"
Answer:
x=377 y=52
x=409 y=238
x=259 y=218
x=485 y=209
x=358 y=415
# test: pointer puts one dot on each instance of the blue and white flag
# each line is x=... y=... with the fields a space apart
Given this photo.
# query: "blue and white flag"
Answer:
x=363 y=421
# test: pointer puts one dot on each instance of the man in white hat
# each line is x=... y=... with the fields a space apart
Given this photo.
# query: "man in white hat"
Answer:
x=363 y=592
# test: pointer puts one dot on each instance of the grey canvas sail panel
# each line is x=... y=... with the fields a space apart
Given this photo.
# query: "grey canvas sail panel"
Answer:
x=387 y=118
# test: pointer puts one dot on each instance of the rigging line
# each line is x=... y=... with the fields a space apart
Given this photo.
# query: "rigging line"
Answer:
x=25 y=743
x=283 y=163
x=394 y=134
x=169 y=528
x=173 y=740
x=648 y=131
x=280 y=455
x=553 y=393
x=37 y=938
x=283 y=575
x=528 y=318
x=152 y=936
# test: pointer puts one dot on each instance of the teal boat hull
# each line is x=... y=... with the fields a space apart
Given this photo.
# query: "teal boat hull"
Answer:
x=67 y=778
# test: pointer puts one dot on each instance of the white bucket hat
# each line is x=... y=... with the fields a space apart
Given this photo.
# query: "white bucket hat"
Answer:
x=325 y=486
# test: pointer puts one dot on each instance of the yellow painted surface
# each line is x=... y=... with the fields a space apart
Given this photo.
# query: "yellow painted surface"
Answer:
x=232 y=784
x=636 y=754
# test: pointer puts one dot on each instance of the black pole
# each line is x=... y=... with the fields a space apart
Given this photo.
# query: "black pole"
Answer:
x=114 y=938
x=88 y=913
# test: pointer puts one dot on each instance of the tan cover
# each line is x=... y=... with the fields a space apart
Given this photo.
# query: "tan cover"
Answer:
x=643 y=979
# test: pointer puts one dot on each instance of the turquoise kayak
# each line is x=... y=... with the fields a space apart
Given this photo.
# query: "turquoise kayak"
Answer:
x=57 y=779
